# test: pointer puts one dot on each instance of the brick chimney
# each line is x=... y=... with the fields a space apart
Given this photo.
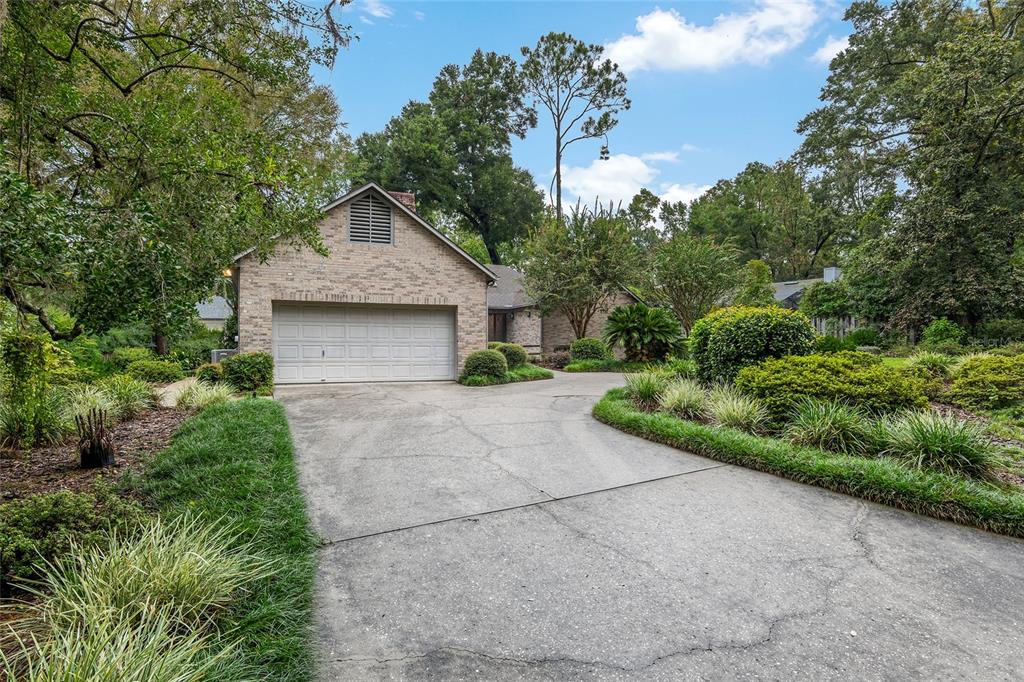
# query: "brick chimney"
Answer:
x=408 y=199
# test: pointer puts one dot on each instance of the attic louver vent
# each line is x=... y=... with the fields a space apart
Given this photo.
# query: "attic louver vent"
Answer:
x=369 y=220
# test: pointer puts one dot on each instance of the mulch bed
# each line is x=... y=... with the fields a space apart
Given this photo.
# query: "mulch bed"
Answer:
x=55 y=468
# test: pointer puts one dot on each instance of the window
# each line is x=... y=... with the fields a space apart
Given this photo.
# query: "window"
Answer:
x=369 y=220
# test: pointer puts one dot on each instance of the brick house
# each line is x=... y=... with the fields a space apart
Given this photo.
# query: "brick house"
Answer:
x=513 y=316
x=395 y=300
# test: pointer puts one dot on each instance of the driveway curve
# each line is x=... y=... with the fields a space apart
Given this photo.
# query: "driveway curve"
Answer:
x=502 y=533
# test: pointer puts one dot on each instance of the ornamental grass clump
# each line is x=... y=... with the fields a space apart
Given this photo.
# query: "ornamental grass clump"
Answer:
x=830 y=425
x=937 y=365
x=80 y=400
x=928 y=440
x=684 y=398
x=728 y=407
x=646 y=388
x=201 y=394
x=130 y=396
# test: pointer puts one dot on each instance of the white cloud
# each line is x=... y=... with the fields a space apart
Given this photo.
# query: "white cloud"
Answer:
x=664 y=39
x=830 y=49
x=619 y=178
x=377 y=9
x=420 y=16
x=690 y=148
x=670 y=157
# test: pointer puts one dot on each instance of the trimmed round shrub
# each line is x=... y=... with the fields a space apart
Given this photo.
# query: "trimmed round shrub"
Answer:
x=155 y=371
x=249 y=371
x=515 y=355
x=645 y=388
x=830 y=425
x=853 y=378
x=589 y=348
x=684 y=398
x=727 y=340
x=989 y=382
x=928 y=440
x=486 y=363
x=728 y=407
x=943 y=331
x=211 y=372
x=122 y=357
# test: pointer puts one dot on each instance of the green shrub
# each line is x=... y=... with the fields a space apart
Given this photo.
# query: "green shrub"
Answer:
x=526 y=372
x=211 y=372
x=135 y=334
x=42 y=528
x=730 y=339
x=195 y=351
x=684 y=398
x=488 y=363
x=122 y=357
x=943 y=347
x=1001 y=331
x=864 y=336
x=928 y=440
x=557 y=359
x=943 y=331
x=685 y=369
x=832 y=344
x=854 y=378
x=200 y=395
x=645 y=333
x=830 y=425
x=156 y=371
x=249 y=371
x=128 y=395
x=1008 y=350
x=27 y=362
x=590 y=349
x=646 y=388
x=989 y=382
x=515 y=355
x=728 y=407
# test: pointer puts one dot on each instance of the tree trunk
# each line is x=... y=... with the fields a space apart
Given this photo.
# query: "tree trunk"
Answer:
x=558 y=175
x=160 y=341
x=492 y=251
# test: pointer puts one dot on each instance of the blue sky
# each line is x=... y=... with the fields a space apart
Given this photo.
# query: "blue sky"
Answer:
x=714 y=85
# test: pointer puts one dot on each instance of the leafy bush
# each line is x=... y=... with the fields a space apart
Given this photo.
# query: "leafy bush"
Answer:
x=989 y=382
x=122 y=357
x=590 y=349
x=944 y=347
x=249 y=371
x=79 y=400
x=200 y=395
x=488 y=363
x=557 y=359
x=646 y=388
x=943 y=331
x=730 y=339
x=928 y=440
x=830 y=425
x=1008 y=350
x=29 y=417
x=515 y=355
x=155 y=371
x=684 y=398
x=1001 y=331
x=864 y=336
x=136 y=334
x=728 y=407
x=832 y=344
x=128 y=395
x=43 y=528
x=854 y=378
x=645 y=333
x=211 y=372
x=525 y=372
x=194 y=351
x=826 y=299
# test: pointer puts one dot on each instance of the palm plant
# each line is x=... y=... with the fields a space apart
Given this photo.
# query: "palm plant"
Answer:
x=645 y=333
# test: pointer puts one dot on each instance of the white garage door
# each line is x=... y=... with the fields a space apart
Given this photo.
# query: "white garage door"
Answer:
x=316 y=343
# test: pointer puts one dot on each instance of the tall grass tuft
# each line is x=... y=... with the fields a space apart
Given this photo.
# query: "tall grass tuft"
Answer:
x=130 y=396
x=684 y=398
x=929 y=440
x=937 y=365
x=830 y=425
x=728 y=407
x=79 y=400
x=199 y=395
x=646 y=388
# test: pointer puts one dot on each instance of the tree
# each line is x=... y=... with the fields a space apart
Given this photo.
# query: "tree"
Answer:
x=580 y=91
x=674 y=215
x=575 y=264
x=929 y=97
x=453 y=151
x=693 y=274
x=170 y=144
x=640 y=216
x=756 y=288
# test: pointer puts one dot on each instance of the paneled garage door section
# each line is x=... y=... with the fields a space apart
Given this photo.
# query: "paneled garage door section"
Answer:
x=328 y=343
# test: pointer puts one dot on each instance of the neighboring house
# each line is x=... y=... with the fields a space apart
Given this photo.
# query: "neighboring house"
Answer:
x=395 y=300
x=213 y=312
x=513 y=316
x=789 y=293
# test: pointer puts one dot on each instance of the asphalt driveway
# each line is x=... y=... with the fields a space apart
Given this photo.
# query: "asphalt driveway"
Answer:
x=502 y=533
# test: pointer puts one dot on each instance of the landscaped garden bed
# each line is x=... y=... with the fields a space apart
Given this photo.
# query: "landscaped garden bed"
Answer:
x=501 y=363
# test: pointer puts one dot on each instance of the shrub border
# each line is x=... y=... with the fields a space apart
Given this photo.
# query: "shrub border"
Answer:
x=580 y=366
x=881 y=480
x=527 y=372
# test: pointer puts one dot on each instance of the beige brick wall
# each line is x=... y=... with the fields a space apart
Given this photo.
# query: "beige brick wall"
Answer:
x=417 y=269
x=524 y=328
x=558 y=332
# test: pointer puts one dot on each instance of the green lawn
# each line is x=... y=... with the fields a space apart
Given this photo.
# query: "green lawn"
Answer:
x=970 y=502
x=606 y=366
x=895 y=362
x=233 y=464
x=525 y=372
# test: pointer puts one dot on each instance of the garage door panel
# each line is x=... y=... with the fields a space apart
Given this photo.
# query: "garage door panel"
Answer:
x=318 y=342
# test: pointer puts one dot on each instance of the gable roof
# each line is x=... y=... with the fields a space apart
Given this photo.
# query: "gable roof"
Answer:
x=352 y=194
x=789 y=293
x=508 y=292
